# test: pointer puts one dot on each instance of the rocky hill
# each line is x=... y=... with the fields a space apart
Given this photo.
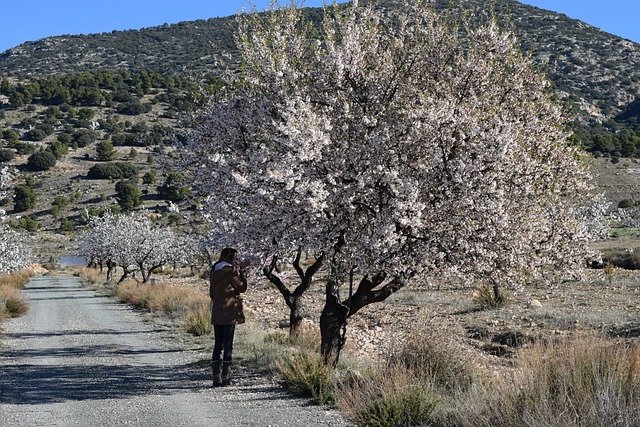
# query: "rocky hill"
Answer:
x=96 y=100
x=597 y=71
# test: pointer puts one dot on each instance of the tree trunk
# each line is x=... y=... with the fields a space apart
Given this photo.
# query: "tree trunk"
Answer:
x=333 y=324
x=294 y=299
x=296 y=315
x=333 y=321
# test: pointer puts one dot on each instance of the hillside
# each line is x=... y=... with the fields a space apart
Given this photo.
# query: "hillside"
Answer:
x=79 y=95
x=597 y=71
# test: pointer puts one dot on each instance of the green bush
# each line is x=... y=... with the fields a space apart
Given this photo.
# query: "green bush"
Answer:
x=6 y=155
x=391 y=397
x=118 y=170
x=24 y=198
x=128 y=195
x=41 y=161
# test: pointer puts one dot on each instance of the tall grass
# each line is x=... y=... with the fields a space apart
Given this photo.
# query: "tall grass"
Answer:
x=304 y=373
x=582 y=382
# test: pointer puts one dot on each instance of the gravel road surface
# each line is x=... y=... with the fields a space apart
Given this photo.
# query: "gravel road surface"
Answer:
x=79 y=359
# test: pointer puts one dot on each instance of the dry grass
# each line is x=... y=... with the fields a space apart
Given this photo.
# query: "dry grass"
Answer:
x=91 y=275
x=197 y=321
x=17 y=279
x=174 y=301
x=12 y=304
x=392 y=396
x=575 y=382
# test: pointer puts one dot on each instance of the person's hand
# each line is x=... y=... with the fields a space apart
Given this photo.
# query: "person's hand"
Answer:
x=244 y=263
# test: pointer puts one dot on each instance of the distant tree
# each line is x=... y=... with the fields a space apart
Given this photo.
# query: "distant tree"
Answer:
x=86 y=113
x=127 y=195
x=131 y=239
x=149 y=178
x=24 y=198
x=172 y=189
x=41 y=161
x=35 y=134
x=6 y=155
x=117 y=170
x=105 y=151
x=58 y=149
x=11 y=135
x=66 y=225
x=84 y=137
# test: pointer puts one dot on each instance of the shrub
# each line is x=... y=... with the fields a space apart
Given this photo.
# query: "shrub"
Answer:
x=35 y=134
x=24 y=198
x=392 y=397
x=83 y=137
x=118 y=170
x=29 y=224
x=128 y=195
x=105 y=151
x=41 y=161
x=11 y=302
x=626 y=203
x=304 y=374
x=6 y=155
x=17 y=279
x=432 y=353
x=487 y=298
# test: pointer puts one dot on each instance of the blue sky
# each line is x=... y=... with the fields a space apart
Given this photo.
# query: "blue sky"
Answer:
x=28 y=20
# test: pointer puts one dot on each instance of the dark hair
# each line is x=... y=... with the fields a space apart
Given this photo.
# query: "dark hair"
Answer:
x=228 y=255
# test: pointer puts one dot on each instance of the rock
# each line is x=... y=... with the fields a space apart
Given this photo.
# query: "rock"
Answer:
x=534 y=303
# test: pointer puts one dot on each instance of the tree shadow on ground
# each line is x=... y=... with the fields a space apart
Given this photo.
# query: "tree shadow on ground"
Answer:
x=39 y=384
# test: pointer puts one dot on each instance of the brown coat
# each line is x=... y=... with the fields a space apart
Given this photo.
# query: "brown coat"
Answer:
x=224 y=285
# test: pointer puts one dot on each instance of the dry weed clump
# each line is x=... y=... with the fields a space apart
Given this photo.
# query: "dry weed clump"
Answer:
x=197 y=321
x=580 y=381
x=12 y=304
x=304 y=374
x=432 y=352
x=91 y=275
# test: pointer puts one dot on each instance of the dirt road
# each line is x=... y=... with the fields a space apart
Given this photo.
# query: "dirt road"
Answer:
x=80 y=359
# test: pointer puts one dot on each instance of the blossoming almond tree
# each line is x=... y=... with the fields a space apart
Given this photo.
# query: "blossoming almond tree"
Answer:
x=15 y=248
x=390 y=146
x=131 y=241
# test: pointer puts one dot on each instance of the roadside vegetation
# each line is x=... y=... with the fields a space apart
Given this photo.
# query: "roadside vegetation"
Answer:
x=12 y=303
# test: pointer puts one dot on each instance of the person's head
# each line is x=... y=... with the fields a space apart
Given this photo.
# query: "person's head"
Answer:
x=228 y=255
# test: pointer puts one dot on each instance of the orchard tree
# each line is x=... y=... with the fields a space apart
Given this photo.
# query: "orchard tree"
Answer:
x=133 y=242
x=15 y=248
x=398 y=145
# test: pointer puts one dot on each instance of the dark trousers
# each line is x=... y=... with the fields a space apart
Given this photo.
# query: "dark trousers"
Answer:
x=223 y=344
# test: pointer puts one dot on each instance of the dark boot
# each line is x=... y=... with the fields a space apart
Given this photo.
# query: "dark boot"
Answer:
x=216 y=366
x=226 y=373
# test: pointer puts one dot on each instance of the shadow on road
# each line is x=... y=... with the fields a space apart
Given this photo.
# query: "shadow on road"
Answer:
x=37 y=384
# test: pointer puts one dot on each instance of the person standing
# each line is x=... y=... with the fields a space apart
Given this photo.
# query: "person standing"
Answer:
x=226 y=282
